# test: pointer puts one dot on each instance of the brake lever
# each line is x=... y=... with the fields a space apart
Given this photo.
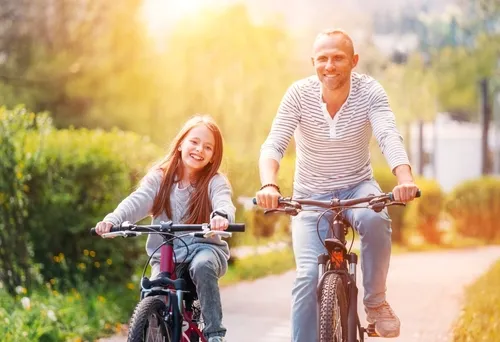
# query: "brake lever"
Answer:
x=122 y=233
x=286 y=210
x=396 y=203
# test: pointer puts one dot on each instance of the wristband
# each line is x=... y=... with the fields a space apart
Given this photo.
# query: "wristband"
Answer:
x=271 y=184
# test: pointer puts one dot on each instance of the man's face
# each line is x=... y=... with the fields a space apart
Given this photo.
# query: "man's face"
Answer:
x=334 y=58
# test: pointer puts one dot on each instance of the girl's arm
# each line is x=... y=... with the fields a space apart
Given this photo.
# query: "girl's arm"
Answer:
x=220 y=196
x=139 y=203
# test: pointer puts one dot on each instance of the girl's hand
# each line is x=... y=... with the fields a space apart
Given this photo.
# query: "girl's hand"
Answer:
x=219 y=223
x=103 y=227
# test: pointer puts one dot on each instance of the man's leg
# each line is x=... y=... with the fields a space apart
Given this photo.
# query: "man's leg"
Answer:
x=375 y=232
x=307 y=246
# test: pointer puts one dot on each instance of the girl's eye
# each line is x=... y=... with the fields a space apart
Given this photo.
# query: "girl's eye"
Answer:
x=209 y=148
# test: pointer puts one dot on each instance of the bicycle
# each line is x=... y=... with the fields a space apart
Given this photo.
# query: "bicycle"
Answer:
x=168 y=309
x=337 y=292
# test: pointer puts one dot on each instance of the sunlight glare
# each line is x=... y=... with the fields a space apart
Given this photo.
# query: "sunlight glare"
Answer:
x=160 y=15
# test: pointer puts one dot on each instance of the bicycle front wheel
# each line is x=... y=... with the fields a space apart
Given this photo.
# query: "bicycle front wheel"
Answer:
x=148 y=322
x=333 y=309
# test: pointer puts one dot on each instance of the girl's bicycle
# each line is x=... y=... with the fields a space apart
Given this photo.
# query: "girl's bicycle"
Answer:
x=168 y=310
x=337 y=292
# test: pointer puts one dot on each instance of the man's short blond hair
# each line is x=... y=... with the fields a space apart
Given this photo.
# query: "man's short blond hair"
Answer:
x=335 y=31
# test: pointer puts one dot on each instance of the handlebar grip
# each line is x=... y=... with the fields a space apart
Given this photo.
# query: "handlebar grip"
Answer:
x=236 y=227
x=391 y=197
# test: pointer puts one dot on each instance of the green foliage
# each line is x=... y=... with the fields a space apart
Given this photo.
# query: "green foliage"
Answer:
x=15 y=174
x=475 y=207
x=423 y=214
x=80 y=176
x=259 y=265
x=478 y=321
x=387 y=182
x=78 y=315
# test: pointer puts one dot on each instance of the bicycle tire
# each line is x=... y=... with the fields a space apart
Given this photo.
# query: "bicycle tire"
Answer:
x=333 y=309
x=139 y=323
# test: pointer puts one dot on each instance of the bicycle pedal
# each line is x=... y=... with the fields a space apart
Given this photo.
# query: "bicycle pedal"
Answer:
x=370 y=330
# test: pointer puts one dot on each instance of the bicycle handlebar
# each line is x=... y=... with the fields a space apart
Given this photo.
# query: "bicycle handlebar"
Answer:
x=338 y=203
x=169 y=227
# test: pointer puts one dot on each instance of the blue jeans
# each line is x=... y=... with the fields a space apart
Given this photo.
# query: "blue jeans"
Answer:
x=374 y=230
x=205 y=270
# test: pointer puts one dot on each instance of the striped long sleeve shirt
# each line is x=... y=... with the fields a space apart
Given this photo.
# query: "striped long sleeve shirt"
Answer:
x=333 y=154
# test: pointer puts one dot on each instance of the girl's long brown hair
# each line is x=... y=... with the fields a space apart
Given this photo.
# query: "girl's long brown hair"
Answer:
x=199 y=207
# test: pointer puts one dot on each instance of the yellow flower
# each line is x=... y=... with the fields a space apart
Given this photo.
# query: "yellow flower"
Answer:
x=101 y=299
x=92 y=254
x=86 y=252
x=82 y=266
x=131 y=286
x=109 y=261
x=52 y=281
x=61 y=256
x=97 y=264
x=55 y=293
x=56 y=258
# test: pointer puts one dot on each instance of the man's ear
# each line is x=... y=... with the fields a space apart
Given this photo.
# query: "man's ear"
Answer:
x=355 y=60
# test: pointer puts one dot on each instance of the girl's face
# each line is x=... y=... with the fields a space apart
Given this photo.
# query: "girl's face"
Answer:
x=197 y=149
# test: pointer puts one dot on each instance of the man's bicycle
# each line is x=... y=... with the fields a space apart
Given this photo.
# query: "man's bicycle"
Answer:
x=168 y=310
x=337 y=292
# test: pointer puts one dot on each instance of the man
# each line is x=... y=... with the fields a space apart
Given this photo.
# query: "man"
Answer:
x=332 y=116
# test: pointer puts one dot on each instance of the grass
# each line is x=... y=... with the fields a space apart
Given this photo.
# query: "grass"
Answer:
x=79 y=315
x=257 y=266
x=480 y=317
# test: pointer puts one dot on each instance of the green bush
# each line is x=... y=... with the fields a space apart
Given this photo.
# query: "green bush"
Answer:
x=243 y=173
x=475 y=208
x=387 y=182
x=15 y=173
x=79 y=315
x=423 y=215
x=80 y=176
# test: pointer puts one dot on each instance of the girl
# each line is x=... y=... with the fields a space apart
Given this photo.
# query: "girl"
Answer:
x=186 y=187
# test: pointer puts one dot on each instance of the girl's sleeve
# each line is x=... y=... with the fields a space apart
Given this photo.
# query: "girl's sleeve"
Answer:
x=220 y=195
x=139 y=203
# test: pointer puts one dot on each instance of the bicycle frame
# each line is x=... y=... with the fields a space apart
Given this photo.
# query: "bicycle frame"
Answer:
x=338 y=259
x=167 y=274
x=166 y=284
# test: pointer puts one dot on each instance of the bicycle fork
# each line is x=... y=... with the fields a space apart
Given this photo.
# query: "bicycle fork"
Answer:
x=353 y=323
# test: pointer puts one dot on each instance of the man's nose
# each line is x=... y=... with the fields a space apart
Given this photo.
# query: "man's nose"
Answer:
x=330 y=66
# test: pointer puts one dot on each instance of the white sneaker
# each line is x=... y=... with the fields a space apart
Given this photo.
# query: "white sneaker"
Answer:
x=216 y=339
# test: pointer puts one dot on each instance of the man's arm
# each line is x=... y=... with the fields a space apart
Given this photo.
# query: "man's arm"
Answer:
x=391 y=144
x=403 y=174
x=268 y=171
x=273 y=149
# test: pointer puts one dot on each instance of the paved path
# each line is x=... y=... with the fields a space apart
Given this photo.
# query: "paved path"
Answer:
x=425 y=290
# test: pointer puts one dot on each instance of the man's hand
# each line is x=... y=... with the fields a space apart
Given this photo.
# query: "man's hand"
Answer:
x=267 y=197
x=405 y=192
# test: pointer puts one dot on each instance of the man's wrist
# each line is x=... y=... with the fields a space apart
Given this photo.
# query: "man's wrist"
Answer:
x=403 y=174
x=273 y=185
